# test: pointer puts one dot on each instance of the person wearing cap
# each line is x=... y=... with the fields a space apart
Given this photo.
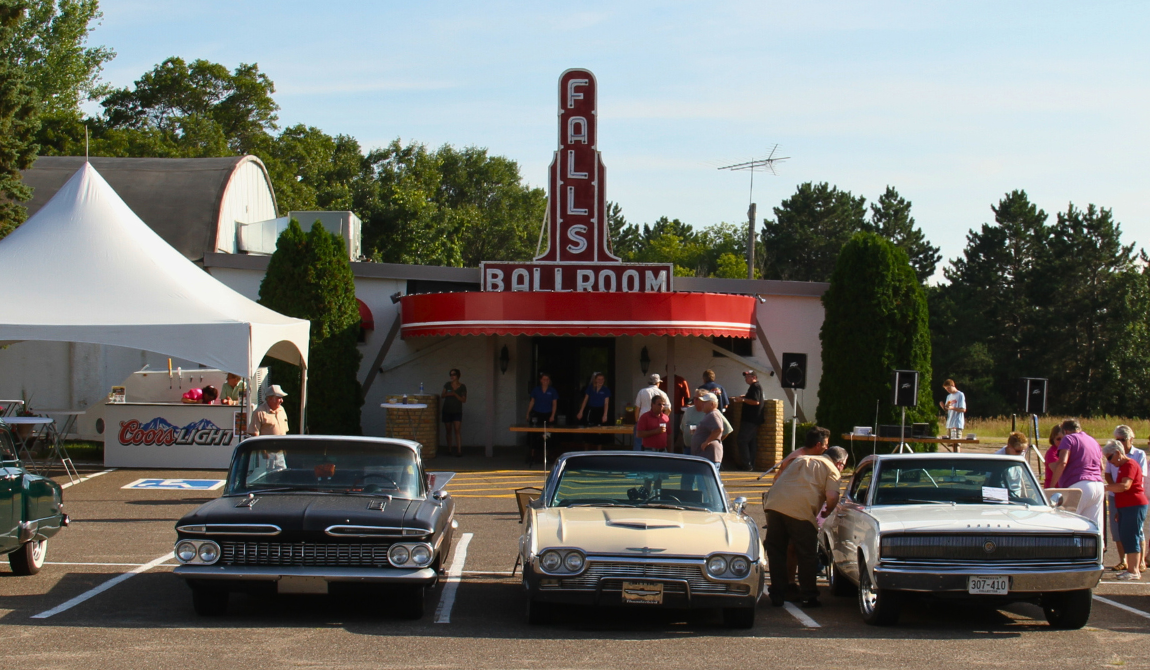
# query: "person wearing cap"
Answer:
x=693 y=415
x=270 y=417
x=707 y=440
x=752 y=418
x=643 y=402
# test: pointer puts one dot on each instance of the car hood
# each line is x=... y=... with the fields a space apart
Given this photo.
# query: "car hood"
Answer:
x=977 y=518
x=643 y=532
x=302 y=512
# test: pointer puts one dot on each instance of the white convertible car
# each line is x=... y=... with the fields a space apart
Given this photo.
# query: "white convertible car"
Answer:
x=959 y=525
x=640 y=529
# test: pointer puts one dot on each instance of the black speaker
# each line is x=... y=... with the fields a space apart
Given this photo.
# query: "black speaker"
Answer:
x=904 y=388
x=1032 y=395
x=794 y=374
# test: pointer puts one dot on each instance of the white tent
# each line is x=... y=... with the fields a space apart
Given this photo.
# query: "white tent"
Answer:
x=85 y=268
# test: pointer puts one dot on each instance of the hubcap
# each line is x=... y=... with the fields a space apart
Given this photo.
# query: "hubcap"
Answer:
x=868 y=597
x=38 y=552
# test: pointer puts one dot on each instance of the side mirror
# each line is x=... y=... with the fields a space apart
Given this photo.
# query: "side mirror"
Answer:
x=439 y=495
x=740 y=504
x=1056 y=500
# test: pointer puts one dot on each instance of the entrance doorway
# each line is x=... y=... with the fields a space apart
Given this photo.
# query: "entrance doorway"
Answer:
x=571 y=361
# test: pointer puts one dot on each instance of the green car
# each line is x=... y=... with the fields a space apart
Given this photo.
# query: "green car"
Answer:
x=31 y=511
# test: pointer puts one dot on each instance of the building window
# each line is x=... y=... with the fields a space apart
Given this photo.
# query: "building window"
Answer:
x=739 y=346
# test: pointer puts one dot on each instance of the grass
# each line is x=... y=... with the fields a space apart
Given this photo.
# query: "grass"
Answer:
x=85 y=451
x=1100 y=428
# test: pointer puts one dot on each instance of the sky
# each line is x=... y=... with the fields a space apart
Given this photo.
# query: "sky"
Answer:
x=954 y=104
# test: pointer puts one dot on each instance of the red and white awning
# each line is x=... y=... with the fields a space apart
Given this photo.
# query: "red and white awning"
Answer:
x=578 y=314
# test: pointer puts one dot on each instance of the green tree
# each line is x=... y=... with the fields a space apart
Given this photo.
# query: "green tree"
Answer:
x=312 y=170
x=876 y=322
x=309 y=277
x=890 y=217
x=19 y=121
x=809 y=229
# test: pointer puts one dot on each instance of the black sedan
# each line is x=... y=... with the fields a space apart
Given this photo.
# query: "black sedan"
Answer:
x=320 y=514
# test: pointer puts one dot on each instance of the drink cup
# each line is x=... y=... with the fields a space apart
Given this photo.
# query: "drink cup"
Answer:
x=663 y=427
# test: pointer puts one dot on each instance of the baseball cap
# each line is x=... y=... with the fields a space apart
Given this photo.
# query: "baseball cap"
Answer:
x=654 y=379
x=749 y=372
x=275 y=390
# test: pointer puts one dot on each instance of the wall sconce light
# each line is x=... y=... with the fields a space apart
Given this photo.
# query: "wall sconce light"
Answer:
x=504 y=359
x=644 y=360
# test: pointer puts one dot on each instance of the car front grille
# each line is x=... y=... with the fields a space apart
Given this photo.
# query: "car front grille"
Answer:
x=612 y=574
x=983 y=547
x=304 y=553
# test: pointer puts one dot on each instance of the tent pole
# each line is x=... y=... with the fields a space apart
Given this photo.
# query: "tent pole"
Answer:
x=303 y=400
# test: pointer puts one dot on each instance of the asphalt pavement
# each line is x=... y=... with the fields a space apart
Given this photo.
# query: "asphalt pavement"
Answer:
x=107 y=599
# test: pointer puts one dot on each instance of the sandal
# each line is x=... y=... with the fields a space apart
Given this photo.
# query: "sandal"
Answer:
x=1121 y=567
x=1128 y=577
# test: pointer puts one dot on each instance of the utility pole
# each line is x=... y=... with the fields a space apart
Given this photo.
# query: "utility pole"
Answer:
x=755 y=165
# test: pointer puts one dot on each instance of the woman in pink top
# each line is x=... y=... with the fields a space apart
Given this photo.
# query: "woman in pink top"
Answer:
x=1051 y=456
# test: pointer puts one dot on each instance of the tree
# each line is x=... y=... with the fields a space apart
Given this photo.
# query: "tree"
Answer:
x=311 y=170
x=876 y=322
x=809 y=229
x=19 y=121
x=309 y=277
x=890 y=217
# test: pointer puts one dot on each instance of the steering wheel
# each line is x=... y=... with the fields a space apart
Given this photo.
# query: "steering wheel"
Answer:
x=388 y=480
x=664 y=496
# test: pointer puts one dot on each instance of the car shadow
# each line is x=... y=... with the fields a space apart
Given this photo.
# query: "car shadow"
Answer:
x=171 y=501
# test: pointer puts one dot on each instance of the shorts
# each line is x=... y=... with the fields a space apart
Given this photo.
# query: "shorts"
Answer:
x=451 y=417
x=1130 y=523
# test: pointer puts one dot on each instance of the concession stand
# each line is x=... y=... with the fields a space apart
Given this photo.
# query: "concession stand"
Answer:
x=112 y=281
x=576 y=308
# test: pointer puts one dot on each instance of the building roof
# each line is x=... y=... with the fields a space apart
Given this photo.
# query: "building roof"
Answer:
x=179 y=198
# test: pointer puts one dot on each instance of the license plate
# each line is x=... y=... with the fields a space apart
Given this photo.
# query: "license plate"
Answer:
x=289 y=584
x=988 y=586
x=647 y=593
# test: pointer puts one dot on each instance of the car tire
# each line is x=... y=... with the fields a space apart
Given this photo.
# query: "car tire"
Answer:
x=209 y=603
x=878 y=607
x=539 y=613
x=1069 y=609
x=414 y=603
x=29 y=558
x=840 y=584
x=739 y=617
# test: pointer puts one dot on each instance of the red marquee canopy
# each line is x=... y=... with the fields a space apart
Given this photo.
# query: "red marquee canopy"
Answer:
x=586 y=314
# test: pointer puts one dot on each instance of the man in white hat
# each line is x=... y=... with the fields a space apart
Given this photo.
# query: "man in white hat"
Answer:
x=270 y=417
x=643 y=402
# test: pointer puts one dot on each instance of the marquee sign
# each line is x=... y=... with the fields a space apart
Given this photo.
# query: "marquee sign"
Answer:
x=578 y=255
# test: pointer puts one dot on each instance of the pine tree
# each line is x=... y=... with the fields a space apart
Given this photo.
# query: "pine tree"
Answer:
x=890 y=217
x=809 y=229
x=19 y=121
x=876 y=322
x=309 y=277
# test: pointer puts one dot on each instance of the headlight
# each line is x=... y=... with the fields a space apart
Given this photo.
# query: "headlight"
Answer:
x=740 y=566
x=551 y=560
x=185 y=551
x=420 y=555
x=209 y=552
x=573 y=561
x=398 y=555
x=716 y=565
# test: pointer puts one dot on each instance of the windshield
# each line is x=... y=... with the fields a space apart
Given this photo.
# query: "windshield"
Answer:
x=961 y=481
x=332 y=466
x=637 y=481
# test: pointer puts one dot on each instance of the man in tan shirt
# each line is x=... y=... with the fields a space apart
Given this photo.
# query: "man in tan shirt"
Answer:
x=792 y=509
x=270 y=417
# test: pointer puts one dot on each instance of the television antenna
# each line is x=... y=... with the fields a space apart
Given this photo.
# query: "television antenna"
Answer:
x=755 y=165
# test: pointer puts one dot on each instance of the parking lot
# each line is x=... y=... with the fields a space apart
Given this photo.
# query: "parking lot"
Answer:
x=107 y=599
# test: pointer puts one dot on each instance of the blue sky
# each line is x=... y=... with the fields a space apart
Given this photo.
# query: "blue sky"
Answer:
x=953 y=103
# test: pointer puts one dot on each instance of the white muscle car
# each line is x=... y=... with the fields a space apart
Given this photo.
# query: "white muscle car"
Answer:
x=640 y=529
x=959 y=525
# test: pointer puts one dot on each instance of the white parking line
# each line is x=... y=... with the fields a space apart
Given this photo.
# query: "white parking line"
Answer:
x=1123 y=607
x=117 y=565
x=801 y=616
x=95 y=591
x=447 y=600
x=86 y=478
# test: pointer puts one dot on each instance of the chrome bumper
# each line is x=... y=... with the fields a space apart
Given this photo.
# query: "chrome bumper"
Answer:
x=1022 y=579
x=273 y=573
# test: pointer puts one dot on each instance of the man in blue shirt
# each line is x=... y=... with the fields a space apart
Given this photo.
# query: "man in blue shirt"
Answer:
x=713 y=386
x=541 y=408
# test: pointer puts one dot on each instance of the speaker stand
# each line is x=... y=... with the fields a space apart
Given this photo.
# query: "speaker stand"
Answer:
x=902 y=434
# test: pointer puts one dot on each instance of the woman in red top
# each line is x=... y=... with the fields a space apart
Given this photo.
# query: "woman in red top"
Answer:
x=1051 y=456
x=1130 y=499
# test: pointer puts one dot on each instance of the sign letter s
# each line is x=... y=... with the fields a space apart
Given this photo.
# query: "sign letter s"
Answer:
x=575 y=234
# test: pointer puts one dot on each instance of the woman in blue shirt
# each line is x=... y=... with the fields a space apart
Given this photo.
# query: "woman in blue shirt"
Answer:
x=595 y=408
x=541 y=408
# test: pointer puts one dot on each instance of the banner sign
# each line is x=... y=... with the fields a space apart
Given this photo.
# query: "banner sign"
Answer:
x=578 y=255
